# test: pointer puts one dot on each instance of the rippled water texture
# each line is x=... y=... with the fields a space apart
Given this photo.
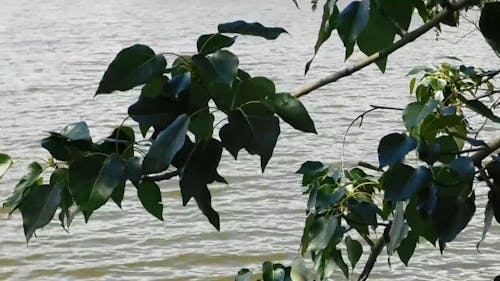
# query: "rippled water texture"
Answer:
x=52 y=55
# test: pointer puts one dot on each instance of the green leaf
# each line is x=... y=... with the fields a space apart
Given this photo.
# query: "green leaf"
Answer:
x=257 y=134
x=150 y=196
x=416 y=112
x=398 y=11
x=328 y=24
x=378 y=35
x=312 y=170
x=76 y=131
x=298 y=271
x=488 y=218
x=164 y=148
x=200 y=170
x=132 y=66
x=352 y=21
x=244 y=275
x=254 y=29
x=337 y=257
x=354 y=250
x=420 y=225
x=401 y=181
x=201 y=124
x=362 y=213
x=133 y=170
x=253 y=89
x=451 y=217
x=394 y=147
x=398 y=230
x=292 y=111
x=154 y=88
x=407 y=247
x=320 y=232
x=93 y=179
x=480 y=108
x=328 y=195
x=26 y=182
x=5 y=164
x=120 y=141
x=488 y=24
x=272 y=272
x=157 y=112
x=38 y=207
x=226 y=66
x=178 y=85
x=210 y=43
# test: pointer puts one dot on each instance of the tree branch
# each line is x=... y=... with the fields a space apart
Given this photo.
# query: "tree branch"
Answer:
x=479 y=156
x=372 y=259
x=409 y=37
x=161 y=177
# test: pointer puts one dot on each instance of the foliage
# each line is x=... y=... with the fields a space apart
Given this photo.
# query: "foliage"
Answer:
x=421 y=187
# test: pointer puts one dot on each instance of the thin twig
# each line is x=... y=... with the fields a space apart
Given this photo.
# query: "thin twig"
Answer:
x=360 y=117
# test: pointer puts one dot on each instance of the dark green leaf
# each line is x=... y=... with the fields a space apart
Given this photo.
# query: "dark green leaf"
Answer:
x=71 y=143
x=394 y=147
x=178 y=85
x=26 y=182
x=133 y=170
x=354 y=250
x=164 y=148
x=292 y=111
x=451 y=217
x=407 y=247
x=488 y=24
x=257 y=134
x=378 y=35
x=226 y=66
x=118 y=194
x=132 y=66
x=320 y=232
x=154 y=88
x=312 y=170
x=253 y=89
x=254 y=29
x=420 y=225
x=200 y=170
x=328 y=24
x=150 y=195
x=38 y=207
x=201 y=124
x=83 y=174
x=159 y=112
x=362 y=213
x=480 y=108
x=416 y=112
x=401 y=181
x=120 y=141
x=210 y=43
x=328 y=195
x=5 y=164
x=337 y=258
x=352 y=21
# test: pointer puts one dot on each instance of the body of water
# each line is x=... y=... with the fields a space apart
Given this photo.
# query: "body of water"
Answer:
x=52 y=55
